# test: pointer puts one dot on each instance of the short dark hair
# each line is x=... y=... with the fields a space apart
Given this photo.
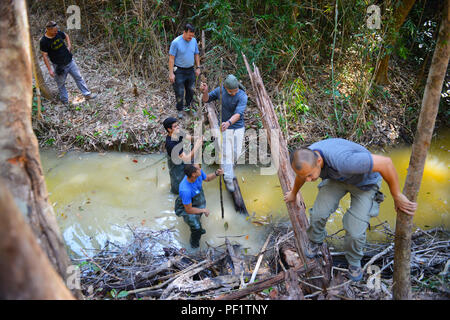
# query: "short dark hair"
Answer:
x=301 y=156
x=169 y=122
x=189 y=169
x=51 y=24
x=189 y=27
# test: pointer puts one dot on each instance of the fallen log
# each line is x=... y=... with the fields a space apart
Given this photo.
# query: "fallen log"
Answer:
x=238 y=264
x=266 y=283
x=280 y=157
x=239 y=204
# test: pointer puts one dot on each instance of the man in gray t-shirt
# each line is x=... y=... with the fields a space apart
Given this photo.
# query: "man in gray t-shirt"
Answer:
x=345 y=167
x=234 y=103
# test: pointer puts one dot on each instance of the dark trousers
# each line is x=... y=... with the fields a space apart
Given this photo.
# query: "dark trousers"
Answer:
x=184 y=84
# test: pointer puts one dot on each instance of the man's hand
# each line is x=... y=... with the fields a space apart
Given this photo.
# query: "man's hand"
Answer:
x=206 y=212
x=289 y=196
x=197 y=72
x=171 y=77
x=402 y=203
x=219 y=172
x=203 y=87
x=225 y=125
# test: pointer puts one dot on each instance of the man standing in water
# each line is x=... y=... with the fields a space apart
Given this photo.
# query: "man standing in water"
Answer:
x=52 y=46
x=345 y=166
x=176 y=157
x=234 y=103
x=191 y=202
x=183 y=54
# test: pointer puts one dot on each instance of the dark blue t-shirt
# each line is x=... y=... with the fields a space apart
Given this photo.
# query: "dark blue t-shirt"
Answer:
x=189 y=190
x=231 y=105
x=347 y=161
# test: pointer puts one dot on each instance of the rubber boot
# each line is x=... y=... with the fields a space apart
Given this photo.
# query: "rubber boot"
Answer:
x=195 y=238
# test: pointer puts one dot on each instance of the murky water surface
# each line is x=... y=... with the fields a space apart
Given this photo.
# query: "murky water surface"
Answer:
x=99 y=197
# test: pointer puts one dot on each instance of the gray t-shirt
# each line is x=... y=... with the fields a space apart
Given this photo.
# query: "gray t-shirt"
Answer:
x=347 y=162
x=231 y=105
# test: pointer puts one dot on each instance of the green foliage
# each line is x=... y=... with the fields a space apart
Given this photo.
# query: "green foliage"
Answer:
x=297 y=102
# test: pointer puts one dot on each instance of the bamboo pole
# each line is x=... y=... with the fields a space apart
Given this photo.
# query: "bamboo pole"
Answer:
x=425 y=127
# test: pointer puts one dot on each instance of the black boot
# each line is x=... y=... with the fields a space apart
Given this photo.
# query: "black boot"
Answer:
x=195 y=238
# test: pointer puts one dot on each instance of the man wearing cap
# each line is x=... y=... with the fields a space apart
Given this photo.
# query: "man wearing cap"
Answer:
x=52 y=46
x=176 y=157
x=234 y=103
x=183 y=54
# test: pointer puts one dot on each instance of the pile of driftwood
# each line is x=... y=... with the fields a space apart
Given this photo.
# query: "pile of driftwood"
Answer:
x=146 y=268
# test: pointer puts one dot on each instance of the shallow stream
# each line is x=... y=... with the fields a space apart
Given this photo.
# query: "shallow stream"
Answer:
x=102 y=196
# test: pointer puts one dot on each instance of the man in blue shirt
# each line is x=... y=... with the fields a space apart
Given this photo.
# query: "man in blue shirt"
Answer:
x=183 y=54
x=191 y=202
x=234 y=103
x=345 y=167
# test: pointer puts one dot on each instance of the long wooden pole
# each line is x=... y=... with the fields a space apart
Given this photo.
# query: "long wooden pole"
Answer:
x=296 y=209
x=425 y=127
x=221 y=136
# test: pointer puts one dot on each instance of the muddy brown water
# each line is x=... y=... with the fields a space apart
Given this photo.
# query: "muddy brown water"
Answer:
x=99 y=196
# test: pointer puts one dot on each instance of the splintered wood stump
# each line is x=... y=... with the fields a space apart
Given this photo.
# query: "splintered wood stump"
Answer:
x=280 y=157
x=239 y=204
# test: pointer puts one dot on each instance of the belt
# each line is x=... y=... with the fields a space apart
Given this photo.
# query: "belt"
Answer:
x=184 y=68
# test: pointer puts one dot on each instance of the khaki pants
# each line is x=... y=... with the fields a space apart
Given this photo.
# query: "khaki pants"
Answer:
x=364 y=205
x=233 y=140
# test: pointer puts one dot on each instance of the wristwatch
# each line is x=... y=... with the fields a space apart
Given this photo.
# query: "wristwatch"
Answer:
x=229 y=122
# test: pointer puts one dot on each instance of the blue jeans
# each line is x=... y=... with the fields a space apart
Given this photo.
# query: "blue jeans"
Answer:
x=71 y=69
x=184 y=83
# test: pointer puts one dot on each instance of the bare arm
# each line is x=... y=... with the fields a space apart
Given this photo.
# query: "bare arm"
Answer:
x=69 y=43
x=235 y=117
x=212 y=176
x=47 y=63
x=188 y=157
x=171 y=64
x=192 y=210
x=386 y=168
x=291 y=195
x=197 y=60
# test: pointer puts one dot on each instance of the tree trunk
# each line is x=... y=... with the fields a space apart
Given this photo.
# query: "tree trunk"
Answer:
x=427 y=117
x=286 y=175
x=38 y=77
x=381 y=76
x=25 y=271
x=20 y=165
